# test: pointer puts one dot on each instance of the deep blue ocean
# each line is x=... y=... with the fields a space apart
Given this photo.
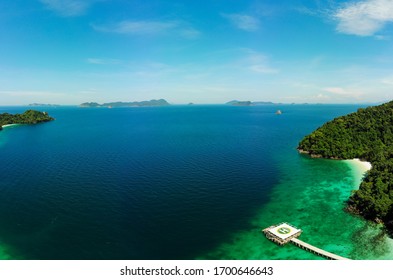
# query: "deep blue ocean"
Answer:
x=144 y=183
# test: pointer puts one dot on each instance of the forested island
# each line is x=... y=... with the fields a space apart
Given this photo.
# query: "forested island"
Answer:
x=28 y=117
x=43 y=105
x=249 y=103
x=368 y=135
x=153 y=102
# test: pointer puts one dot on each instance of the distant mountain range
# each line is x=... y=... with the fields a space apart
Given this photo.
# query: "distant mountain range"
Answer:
x=42 y=105
x=153 y=102
x=249 y=103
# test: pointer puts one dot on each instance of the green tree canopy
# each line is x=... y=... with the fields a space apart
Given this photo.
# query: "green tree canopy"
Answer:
x=28 y=117
x=366 y=134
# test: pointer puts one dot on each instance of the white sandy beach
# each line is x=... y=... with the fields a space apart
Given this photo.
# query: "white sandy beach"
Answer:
x=359 y=169
x=363 y=165
x=8 y=125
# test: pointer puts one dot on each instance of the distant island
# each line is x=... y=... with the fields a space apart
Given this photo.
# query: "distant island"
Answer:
x=28 y=117
x=368 y=135
x=42 y=105
x=153 y=102
x=249 y=103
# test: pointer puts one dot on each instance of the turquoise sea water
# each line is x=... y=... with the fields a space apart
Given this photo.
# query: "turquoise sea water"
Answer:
x=178 y=182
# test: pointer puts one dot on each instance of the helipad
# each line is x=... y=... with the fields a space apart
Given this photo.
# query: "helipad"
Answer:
x=282 y=233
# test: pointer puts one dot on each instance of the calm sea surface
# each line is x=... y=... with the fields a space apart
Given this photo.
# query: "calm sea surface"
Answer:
x=178 y=182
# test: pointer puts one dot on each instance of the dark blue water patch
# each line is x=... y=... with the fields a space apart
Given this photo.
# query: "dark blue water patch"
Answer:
x=143 y=183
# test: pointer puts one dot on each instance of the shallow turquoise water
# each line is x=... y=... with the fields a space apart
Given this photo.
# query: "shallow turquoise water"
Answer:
x=312 y=198
x=180 y=182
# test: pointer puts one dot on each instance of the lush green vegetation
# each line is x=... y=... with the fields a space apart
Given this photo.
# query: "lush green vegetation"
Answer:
x=368 y=135
x=28 y=117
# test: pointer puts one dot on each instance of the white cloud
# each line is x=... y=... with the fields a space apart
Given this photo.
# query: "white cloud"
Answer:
x=138 y=27
x=103 y=61
x=264 y=69
x=149 y=28
x=344 y=92
x=335 y=90
x=322 y=97
x=244 y=22
x=154 y=70
x=306 y=11
x=259 y=63
x=189 y=33
x=382 y=37
x=68 y=8
x=364 y=18
x=387 y=81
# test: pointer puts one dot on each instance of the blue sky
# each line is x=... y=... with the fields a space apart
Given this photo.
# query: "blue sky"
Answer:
x=205 y=51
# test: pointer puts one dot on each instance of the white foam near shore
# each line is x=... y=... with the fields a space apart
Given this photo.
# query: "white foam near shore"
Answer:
x=359 y=168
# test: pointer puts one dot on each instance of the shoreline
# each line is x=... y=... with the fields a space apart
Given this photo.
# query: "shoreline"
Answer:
x=363 y=165
x=359 y=168
x=9 y=125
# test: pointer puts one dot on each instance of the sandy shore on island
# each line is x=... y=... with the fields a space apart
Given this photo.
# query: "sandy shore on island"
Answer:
x=362 y=165
x=8 y=125
x=359 y=169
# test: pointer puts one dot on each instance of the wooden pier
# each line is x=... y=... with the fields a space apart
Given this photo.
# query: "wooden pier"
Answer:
x=316 y=250
x=285 y=233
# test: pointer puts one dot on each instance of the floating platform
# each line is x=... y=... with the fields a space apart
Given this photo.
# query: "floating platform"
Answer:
x=285 y=233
